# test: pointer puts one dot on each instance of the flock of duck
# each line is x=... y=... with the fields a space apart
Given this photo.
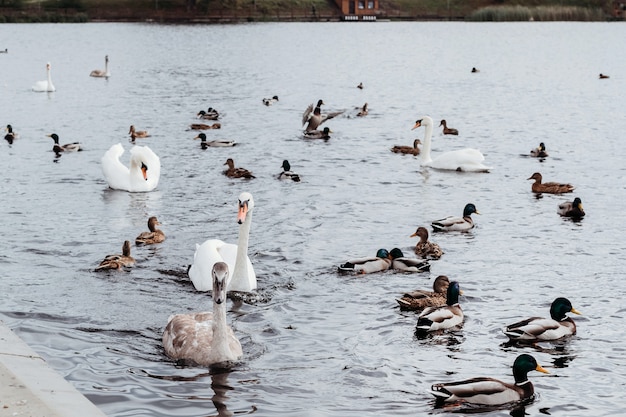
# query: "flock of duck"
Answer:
x=205 y=338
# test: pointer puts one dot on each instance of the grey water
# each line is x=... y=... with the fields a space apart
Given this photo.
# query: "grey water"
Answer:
x=316 y=343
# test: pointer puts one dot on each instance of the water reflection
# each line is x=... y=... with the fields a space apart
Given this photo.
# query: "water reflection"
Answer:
x=558 y=350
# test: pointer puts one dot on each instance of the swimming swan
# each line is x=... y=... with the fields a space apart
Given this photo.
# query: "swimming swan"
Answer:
x=467 y=159
x=46 y=85
x=102 y=73
x=143 y=174
x=204 y=338
x=236 y=256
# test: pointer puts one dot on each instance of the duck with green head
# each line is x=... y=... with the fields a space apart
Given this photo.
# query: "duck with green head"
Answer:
x=443 y=317
x=491 y=391
x=538 y=329
x=456 y=223
x=401 y=263
x=381 y=262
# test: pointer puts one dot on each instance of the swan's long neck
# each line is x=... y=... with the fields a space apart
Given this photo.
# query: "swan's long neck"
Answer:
x=219 y=346
x=428 y=132
x=49 y=78
x=240 y=274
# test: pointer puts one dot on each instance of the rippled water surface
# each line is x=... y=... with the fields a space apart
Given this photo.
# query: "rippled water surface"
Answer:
x=316 y=343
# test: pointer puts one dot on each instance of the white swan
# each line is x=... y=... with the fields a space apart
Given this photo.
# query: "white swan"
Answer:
x=236 y=256
x=144 y=172
x=46 y=85
x=468 y=159
x=204 y=338
x=102 y=73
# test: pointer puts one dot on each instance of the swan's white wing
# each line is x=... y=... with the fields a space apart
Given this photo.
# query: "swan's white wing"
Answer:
x=206 y=255
x=462 y=160
x=116 y=174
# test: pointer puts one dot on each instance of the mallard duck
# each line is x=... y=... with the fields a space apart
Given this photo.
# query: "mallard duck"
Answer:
x=68 y=147
x=318 y=134
x=474 y=69
x=424 y=248
x=360 y=86
x=210 y=114
x=572 y=209
x=204 y=338
x=603 y=76
x=401 y=263
x=549 y=187
x=270 y=101
x=102 y=73
x=448 y=130
x=442 y=317
x=455 y=223
x=420 y=299
x=138 y=133
x=11 y=135
x=117 y=261
x=404 y=149
x=204 y=126
x=363 y=111
x=314 y=116
x=381 y=262
x=287 y=174
x=213 y=143
x=538 y=329
x=539 y=151
x=153 y=236
x=491 y=391
x=233 y=172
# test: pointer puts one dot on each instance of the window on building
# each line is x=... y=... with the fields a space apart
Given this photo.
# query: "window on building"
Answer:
x=361 y=4
x=370 y=4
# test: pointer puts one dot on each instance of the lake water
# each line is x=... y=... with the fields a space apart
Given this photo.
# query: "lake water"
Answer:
x=316 y=343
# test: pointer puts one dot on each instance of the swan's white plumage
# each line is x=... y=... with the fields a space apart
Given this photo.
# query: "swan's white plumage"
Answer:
x=120 y=177
x=468 y=159
x=204 y=338
x=102 y=73
x=45 y=85
x=236 y=257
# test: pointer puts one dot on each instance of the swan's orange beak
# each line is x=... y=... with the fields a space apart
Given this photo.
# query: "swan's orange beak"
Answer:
x=144 y=171
x=243 y=211
x=417 y=124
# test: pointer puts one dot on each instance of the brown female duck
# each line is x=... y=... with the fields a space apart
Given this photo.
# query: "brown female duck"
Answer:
x=153 y=236
x=236 y=172
x=424 y=248
x=137 y=133
x=204 y=126
x=117 y=261
x=549 y=187
x=420 y=299
x=410 y=150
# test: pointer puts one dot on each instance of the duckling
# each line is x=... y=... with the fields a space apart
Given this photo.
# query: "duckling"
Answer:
x=117 y=261
x=603 y=76
x=424 y=248
x=210 y=114
x=381 y=262
x=287 y=174
x=420 y=299
x=572 y=209
x=363 y=111
x=203 y=126
x=448 y=130
x=443 y=317
x=153 y=236
x=410 y=150
x=318 y=134
x=491 y=391
x=68 y=147
x=549 y=187
x=539 y=151
x=314 y=116
x=401 y=263
x=538 y=329
x=455 y=223
x=213 y=143
x=233 y=172
x=270 y=101
x=137 y=133
x=11 y=135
